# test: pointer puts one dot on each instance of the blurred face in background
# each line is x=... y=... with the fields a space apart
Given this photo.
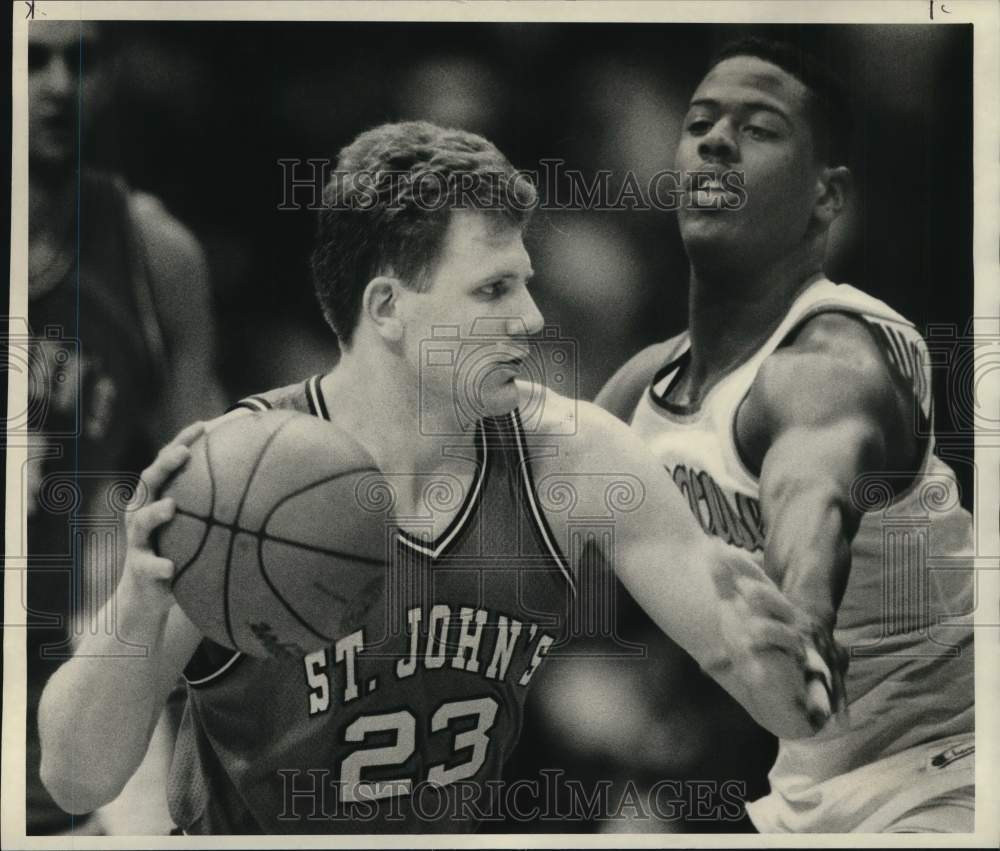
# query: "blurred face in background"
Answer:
x=749 y=116
x=66 y=79
x=465 y=331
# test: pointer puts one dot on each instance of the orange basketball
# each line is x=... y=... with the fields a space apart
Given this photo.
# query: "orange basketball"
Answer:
x=281 y=533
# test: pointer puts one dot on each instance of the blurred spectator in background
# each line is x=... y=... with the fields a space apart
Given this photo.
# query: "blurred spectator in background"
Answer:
x=120 y=311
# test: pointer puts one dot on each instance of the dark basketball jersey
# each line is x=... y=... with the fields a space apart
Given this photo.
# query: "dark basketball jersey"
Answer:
x=95 y=366
x=401 y=732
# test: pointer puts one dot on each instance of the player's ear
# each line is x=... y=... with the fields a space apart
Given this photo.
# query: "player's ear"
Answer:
x=381 y=304
x=832 y=187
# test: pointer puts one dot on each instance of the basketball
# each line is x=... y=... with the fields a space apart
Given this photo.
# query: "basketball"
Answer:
x=280 y=536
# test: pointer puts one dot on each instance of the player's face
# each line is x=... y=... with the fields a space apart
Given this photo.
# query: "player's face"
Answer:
x=471 y=323
x=749 y=116
x=62 y=80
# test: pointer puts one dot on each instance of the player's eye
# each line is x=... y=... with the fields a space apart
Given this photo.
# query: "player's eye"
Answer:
x=760 y=134
x=699 y=126
x=494 y=289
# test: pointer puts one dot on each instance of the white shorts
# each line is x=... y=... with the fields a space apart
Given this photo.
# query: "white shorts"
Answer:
x=929 y=786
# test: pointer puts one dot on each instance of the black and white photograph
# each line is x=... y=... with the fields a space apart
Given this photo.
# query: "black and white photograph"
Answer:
x=502 y=424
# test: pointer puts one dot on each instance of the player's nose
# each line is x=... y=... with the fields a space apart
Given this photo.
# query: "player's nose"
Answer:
x=719 y=143
x=529 y=319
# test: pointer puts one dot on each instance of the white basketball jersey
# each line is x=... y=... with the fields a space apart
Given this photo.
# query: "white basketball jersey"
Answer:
x=906 y=613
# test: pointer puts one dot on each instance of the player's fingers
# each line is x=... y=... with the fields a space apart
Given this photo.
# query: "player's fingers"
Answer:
x=148 y=518
x=835 y=659
x=189 y=434
x=168 y=460
x=153 y=567
x=838 y=671
x=817 y=705
x=826 y=694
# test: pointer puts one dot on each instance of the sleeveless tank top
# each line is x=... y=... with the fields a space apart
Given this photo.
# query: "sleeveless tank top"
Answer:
x=398 y=733
x=905 y=615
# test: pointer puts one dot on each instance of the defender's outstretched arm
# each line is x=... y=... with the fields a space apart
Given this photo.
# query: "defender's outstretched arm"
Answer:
x=717 y=604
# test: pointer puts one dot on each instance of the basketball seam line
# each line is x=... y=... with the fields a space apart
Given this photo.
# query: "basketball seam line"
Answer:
x=233 y=527
x=208 y=529
x=281 y=599
x=262 y=568
x=232 y=538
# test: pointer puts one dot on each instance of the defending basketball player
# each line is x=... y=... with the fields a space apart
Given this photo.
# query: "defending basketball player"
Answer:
x=404 y=728
x=785 y=396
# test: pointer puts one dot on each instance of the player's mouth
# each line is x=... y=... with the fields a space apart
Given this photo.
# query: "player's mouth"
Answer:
x=513 y=364
x=706 y=191
x=509 y=367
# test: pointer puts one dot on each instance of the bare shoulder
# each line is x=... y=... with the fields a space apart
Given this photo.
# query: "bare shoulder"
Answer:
x=544 y=411
x=599 y=469
x=832 y=365
x=622 y=391
x=833 y=371
x=841 y=335
x=166 y=238
x=578 y=431
x=178 y=279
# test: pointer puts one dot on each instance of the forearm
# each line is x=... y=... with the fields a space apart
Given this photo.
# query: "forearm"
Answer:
x=769 y=685
x=726 y=616
x=142 y=808
x=808 y=547
x=98 y=710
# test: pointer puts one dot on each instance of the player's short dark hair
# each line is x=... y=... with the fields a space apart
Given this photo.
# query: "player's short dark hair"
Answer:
x=830 y=113
x=387 y=205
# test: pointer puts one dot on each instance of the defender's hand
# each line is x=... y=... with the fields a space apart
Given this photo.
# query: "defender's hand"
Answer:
x=146 y=574
x=757 y=621
x=826 y=667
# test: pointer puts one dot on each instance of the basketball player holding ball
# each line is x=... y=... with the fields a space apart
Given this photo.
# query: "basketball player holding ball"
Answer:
x=787 y=393
x=402 y=729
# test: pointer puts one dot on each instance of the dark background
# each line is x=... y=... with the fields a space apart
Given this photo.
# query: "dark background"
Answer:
x=202 y=113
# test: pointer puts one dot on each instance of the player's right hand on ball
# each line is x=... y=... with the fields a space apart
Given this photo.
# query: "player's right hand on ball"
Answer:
x=147 y=574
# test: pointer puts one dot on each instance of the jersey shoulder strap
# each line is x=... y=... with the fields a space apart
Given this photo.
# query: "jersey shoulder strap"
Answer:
x=303 y=396
x=519 y=453
x=622 y=392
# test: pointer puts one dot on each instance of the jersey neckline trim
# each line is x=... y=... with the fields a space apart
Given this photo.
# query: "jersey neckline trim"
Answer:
x=436 y=548
x=676 y=365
